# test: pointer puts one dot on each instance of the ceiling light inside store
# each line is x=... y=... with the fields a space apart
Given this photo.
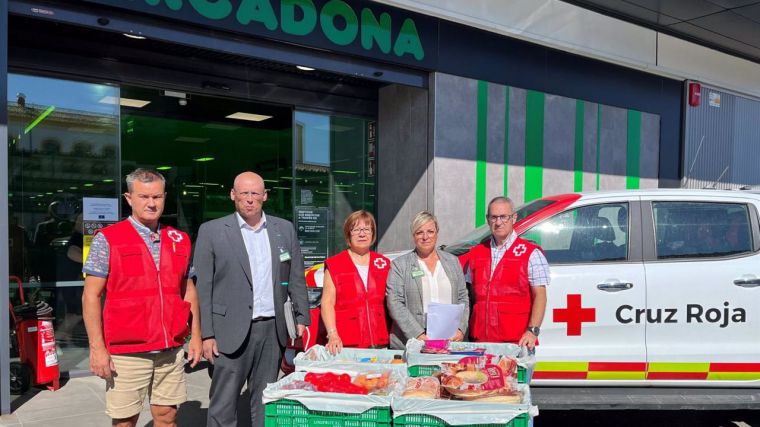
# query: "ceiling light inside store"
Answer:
x=134 y=36
x=346 y=172
x=203 y=159
x=190 y=139
x=163 y=168
x=209 y=184
x=174 y=94
x=73 y=188
x=249 y=117
x=89 y=185
x=219 y=126
x=107 y=180
x=271 y=180
x=124 y=102
x=304 y=68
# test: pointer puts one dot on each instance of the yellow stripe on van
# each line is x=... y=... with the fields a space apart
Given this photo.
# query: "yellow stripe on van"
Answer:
x=562 y=366
x=678 y=367
x=733 y=376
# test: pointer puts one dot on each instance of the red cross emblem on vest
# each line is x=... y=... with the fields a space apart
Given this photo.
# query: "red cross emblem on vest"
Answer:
x=519 y=249
x=174 y=235
x=574 y=315
x=380 y=263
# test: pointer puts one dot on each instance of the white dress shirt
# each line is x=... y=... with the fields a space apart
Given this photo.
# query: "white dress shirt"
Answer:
x=256 y=242
x=436 y=286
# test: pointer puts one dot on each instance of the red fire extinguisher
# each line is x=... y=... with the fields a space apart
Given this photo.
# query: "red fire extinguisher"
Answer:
x=36 y=344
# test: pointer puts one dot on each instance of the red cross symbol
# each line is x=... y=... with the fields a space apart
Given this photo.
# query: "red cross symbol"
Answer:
x=574 y=315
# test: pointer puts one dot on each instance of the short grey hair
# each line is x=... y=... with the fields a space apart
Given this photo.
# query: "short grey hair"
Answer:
x=500 y=199
x=143 y=175
x=421 y=219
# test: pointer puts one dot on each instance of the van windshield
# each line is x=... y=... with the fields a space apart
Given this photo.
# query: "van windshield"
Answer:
x=464 y=243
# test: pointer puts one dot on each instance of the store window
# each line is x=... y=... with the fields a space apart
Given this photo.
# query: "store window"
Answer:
x=63 y=146
x=334 y=176
x=199 y=144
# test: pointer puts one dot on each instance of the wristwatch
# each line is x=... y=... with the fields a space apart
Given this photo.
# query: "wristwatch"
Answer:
x=535 y=330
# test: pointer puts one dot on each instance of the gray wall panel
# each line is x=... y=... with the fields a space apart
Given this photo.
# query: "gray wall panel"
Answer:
x=516 y=168
x=402 y=179
x=455 y=118
x=590 y=115
x=559 y=145
x=709 y=141
x=495 y=169
x=612 y=148
x=650 y=150
x=744 y=169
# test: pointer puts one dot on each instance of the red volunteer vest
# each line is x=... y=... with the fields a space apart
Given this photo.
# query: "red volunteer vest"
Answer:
x=502 y=302
x=360 y=314
x=144 y=309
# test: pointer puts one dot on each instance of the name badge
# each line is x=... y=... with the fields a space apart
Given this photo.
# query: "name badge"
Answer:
x=283 y=283
x=417 y=273
x=285 y=256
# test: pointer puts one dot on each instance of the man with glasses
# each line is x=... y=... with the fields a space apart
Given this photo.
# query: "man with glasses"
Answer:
x=508 y=276
x=247 y=264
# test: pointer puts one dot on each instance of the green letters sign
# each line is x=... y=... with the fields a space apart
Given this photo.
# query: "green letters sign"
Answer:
x=358 y=27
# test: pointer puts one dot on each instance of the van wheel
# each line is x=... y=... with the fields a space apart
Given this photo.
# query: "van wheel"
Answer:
x=20 y=378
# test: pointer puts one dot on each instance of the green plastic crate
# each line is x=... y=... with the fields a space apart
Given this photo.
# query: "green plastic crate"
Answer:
x=428 y=370
x=290 y=413
x=423 y=420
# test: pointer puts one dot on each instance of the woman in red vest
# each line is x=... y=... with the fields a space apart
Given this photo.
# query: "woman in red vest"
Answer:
x=353 y=296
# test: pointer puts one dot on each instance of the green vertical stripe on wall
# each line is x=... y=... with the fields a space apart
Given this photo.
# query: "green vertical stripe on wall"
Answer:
x=506 y=143
x=598 y=140
x=480 y=168
x=580 y=108
x=633 y=150
x=534 y=145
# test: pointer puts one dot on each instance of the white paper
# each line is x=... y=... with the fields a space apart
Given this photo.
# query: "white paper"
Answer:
x=443 y=320
x=100 y=209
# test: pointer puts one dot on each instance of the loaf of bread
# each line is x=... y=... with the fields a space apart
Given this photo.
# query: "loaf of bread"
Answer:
x=422 y=388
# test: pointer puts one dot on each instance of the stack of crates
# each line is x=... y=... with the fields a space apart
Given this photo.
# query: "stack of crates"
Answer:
x=292 y=409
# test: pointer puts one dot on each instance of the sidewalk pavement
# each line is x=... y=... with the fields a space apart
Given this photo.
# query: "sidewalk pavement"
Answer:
x=80 y=402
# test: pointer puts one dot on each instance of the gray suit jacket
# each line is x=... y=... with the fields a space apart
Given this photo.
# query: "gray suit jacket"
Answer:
x=223 y=280
x=403 y=294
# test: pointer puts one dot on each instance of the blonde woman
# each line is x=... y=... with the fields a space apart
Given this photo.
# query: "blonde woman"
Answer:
x=420 y=277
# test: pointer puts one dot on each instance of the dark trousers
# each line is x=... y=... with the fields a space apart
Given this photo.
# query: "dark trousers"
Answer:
x=257 y=361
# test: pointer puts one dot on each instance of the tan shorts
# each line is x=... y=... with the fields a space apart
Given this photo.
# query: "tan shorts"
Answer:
x=160 y=376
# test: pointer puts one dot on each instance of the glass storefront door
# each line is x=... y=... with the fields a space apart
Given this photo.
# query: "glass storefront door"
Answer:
x=71 y=143
x=200 y=144
x=334 y=176
x=63 y=146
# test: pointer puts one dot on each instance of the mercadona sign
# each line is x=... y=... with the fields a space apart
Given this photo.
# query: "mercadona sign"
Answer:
x=357 y=27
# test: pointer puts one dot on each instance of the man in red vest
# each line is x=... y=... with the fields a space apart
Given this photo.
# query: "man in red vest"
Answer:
x=509 y=276
x=136 y=340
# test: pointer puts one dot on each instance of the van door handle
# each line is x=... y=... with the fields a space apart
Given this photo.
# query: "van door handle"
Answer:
x=614 y=285
x=747 y=281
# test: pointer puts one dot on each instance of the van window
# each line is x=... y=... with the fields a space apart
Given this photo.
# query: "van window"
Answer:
x=585 y=234
x=701 y=229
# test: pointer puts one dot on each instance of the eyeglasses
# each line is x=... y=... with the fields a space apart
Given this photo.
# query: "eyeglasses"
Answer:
x=249 y=194
x=357 y=231
x=504 y=218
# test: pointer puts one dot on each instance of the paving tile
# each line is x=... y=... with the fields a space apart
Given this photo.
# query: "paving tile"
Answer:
x=80 y=420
